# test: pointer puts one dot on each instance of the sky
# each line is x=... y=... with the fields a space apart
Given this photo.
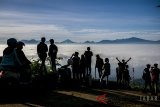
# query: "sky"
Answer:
x=80 y=20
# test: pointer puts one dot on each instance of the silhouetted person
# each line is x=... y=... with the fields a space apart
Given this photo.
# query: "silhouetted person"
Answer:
x=65 y=74
x=53 y=54
x=23 y=59
x=10 y=61
x=127 y=76
x=106 y=68
x=75 y=65
x=123 y=65
x=99 y=65
x=82 y=67
x=26 y=70
x=119 y=73
x=147 y=77
x=42 y=50
x=155 y=77
x=88 y=55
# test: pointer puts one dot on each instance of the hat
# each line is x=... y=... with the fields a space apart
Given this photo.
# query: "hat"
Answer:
x=51 y=40
x=20 y=43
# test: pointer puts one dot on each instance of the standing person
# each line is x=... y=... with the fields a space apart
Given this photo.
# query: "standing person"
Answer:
x=123 y=65
x=26 y=71
x=127 y=76
x=88 y=55
x=53 y=54
x=82 y=67
x=146 y=76
x=119 y=73
x=42 y=50
x=107 y=70
x=155 y=77
x=75 y=65
x=99 y=65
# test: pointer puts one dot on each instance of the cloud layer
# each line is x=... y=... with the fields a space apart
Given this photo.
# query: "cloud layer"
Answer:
x=79 y=20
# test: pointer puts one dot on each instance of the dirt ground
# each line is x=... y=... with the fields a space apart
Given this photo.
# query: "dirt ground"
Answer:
x=81 y=97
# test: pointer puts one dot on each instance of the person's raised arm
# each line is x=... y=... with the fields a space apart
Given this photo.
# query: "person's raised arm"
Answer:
x=128 y=59
x=118 y=60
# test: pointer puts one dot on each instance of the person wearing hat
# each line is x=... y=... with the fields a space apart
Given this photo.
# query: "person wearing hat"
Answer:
x=10 y=61
x=53 y=54
x=23 y=59
x=26 y=69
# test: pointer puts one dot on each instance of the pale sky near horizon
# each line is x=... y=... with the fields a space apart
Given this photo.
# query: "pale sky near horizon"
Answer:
x=80 y=20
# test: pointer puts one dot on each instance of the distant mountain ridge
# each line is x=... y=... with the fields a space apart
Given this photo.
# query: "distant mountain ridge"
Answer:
x=132 y=40
x=67 y=41
x=88 y=42
x=32 y=41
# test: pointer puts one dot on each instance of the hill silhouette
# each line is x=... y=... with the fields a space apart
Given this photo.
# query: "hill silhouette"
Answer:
x=132 y=40
x=67 y=41
x=32 y=41
x=89 y=42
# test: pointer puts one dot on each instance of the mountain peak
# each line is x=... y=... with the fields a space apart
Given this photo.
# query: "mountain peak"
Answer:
x=32 y=41
x=67 y=41
x=88 y=42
